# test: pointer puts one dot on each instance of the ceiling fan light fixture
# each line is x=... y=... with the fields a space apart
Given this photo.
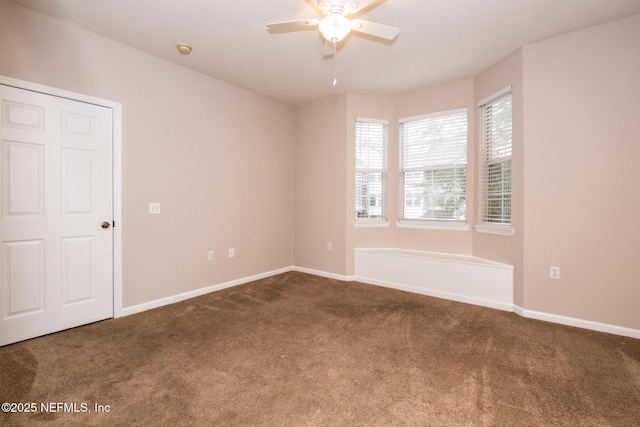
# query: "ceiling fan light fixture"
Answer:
x=334 y=27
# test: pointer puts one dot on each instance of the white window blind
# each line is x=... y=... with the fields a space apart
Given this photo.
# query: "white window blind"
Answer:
x=433 y=150
x=495 y=179
x=371 y=169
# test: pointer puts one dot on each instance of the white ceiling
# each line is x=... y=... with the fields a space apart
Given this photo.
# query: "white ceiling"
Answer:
x=439 y=41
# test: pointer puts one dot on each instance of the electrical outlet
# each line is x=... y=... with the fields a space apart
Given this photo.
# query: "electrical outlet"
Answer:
x=232 y=252
x=329 y=246
x=554 y=272
x=210 y=256
x=154 y=208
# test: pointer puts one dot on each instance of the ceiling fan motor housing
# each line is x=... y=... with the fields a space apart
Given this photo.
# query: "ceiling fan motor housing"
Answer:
x=330 y=7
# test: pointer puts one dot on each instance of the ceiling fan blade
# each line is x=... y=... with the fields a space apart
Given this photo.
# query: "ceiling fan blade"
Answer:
x=357 y=5
x=293 y=25
x=375 y=29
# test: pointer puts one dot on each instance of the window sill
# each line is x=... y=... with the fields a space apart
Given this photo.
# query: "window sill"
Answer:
x=434 y=225
x=371 y=224
x=502 y=230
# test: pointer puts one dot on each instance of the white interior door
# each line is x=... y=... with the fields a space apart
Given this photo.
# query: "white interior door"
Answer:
x=56 y=190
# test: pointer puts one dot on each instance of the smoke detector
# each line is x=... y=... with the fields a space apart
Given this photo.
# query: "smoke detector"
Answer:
x=184 y=48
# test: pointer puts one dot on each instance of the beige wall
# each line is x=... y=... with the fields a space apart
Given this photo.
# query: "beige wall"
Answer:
x=582 y=174
x=218 y=158
x=320 y=190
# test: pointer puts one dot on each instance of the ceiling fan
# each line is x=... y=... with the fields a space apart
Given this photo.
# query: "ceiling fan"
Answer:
x=335 y=25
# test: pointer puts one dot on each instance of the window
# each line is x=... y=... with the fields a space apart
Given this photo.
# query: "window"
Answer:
x=495 y=178
x=371 y=170
x=433 y=151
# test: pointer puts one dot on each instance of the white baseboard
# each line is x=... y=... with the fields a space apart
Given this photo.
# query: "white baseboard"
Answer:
x=438 y=294
x=126 y=311
x=553 y=318
x=322 y=273
x=578 y=323
x=138 y=308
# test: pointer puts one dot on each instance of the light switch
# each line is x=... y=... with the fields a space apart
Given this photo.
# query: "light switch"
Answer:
x=154 y=208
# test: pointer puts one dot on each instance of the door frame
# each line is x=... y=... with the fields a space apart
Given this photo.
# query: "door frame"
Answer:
x=116 y=107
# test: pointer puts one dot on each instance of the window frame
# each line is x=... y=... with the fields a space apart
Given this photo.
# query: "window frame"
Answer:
x=432 y=223
x=484 y=224
x=384 y=173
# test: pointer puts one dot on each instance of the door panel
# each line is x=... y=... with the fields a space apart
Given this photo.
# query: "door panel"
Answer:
x=24 y=277
x=78 y=125
x=57 y=190
x=23 y=116
x=78 y=273
x=77 y=181
x=25 y=182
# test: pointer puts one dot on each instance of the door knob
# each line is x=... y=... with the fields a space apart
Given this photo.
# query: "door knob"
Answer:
x=105 y=224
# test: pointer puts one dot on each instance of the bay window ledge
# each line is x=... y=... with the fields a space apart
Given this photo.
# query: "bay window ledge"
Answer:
x=371 y=223
x=433 y=225
x=500 y=229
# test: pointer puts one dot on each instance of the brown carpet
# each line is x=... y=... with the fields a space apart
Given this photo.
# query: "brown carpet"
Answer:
x=301 y=350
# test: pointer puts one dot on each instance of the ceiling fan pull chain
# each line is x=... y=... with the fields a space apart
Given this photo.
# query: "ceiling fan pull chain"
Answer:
x=335 y=81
